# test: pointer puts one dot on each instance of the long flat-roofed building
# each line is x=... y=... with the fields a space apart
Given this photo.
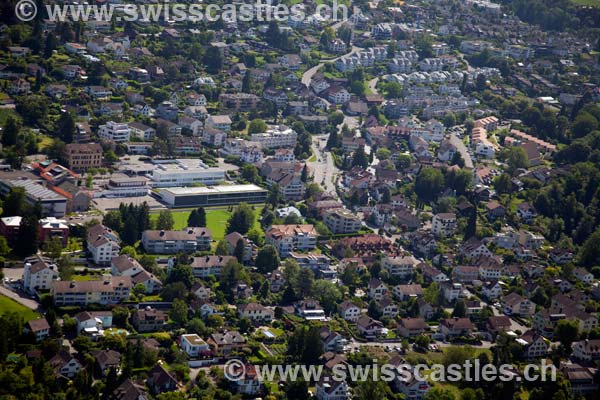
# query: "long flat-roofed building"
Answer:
x=53 y=204
x=213 y=196
x=109 y=290
x=181 y=173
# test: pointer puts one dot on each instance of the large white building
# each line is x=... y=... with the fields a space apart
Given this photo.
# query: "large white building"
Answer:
x=38 y=273
x=102 y=243
x=115 y=132
x=276 y=136
x=188 y=173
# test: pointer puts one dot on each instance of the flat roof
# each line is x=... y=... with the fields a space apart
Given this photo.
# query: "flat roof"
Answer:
x=182 y=191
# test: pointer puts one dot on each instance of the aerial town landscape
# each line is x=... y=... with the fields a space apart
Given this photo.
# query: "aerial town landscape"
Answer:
x=186 y=201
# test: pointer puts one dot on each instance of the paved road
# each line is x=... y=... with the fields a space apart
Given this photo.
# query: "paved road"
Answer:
x=462 y=149
x=309 y=73
x=323 y=168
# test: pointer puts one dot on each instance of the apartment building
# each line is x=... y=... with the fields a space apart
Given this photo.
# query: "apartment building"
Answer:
x=238 y=101
x=83 y=156
x=114 y=132
x=187 y=240
x=342 y=221
x=443 y=224
x=38 y=273
x=287 y=238
x=102 y=244
x=109 y=290
x=400 y=266
x=275 y=137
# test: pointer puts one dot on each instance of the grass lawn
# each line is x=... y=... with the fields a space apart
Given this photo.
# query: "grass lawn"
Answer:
x=89 y=277
x=588 y=3
x=9 y=305
x=216 y=221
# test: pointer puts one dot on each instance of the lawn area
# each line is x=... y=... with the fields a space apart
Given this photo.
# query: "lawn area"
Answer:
x=88 y=277
x=216 y=221
x=587 y=3
x=9 y=305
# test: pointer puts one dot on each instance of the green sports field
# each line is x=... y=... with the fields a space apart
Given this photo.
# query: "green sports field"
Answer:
x=216 y=221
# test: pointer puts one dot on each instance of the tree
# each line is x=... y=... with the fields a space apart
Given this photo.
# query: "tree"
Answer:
x=460 y=309
x=66 y=127
x=503 y=183
x=566 y=332
x=304 y=175
x=65 y=267
x=213 y=59
x=429 y=184
x=439 y=394
x=247 y=83
x=267 y=259
x=373 y=311
x=250 y=173
x=333 y=141
x=181 y=273
x=241 y=220
x=360 y=158
x=222 y=248
x=239 y=250
x=27 y=242
x=201 y=216
x=4 y=250
x=305 y=282
x=53 y=248
x=257 y=126
x=165 y=221
x=584 y=123
x=193 y=219
x=516 y=158
x=10 y=132
x=179 y=312
x=589 y=254
x=14 y=202
x=449 y=119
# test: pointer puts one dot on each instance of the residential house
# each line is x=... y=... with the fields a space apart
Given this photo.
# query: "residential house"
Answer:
x=224 y=343
x=349 y=311
x=411 y=327
x=256 y=313
x=455 y=327
x=368 y=327
x=39 y=328
x=377 y=289
x=287 y=238
x=193 y=345
x=514 y=304
x=160 y=380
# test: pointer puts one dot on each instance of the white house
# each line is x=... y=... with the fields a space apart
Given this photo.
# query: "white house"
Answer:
x=443 y=224
x=349 y=311
x=193 y=345
x=38 y=274
x=331 y=389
